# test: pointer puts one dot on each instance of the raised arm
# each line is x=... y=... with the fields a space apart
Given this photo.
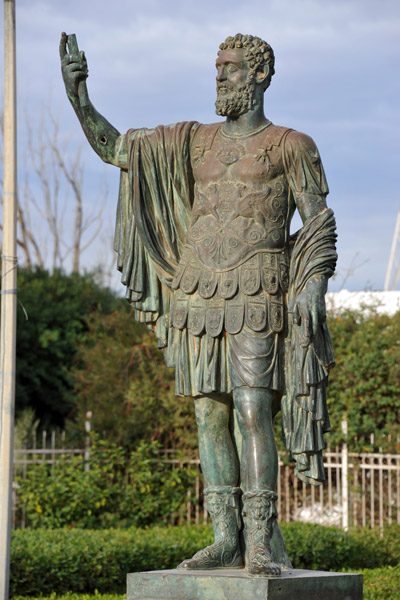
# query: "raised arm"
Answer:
x=102 y=136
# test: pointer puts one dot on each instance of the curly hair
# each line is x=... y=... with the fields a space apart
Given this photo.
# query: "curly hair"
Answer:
x=257 y=52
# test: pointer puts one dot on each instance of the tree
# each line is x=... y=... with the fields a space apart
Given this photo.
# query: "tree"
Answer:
x=58 y=306
x=121 y=377
x=364 y=386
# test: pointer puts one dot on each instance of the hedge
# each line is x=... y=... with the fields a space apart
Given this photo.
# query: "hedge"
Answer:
x=73 y=560
x=379 y=584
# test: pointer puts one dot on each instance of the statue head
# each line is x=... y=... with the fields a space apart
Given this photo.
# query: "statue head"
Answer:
x=245 y=66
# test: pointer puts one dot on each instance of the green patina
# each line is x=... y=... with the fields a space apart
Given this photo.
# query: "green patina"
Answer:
x=237 y=304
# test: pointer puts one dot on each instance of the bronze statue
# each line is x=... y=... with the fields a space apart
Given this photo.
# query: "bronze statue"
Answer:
x=237 y=304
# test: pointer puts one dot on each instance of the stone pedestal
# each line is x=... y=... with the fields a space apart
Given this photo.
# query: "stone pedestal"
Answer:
x=294 y=584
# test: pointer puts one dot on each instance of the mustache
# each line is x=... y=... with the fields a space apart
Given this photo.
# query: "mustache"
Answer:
x=225 y=86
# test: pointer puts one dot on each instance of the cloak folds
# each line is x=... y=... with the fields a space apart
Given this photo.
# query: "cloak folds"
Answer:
x=153 y=214
x=304 y=411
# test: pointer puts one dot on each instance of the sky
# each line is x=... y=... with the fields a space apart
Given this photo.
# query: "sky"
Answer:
x=337 y=79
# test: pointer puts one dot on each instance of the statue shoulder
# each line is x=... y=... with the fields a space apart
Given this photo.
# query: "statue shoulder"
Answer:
x=296 y=140
x=203 y=135
x=273 y=135
x=290 y=138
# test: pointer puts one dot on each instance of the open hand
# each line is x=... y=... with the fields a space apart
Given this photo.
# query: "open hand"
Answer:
x=309 y=309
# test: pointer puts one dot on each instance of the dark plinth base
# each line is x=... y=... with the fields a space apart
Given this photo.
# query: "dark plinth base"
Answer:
x=294 y=584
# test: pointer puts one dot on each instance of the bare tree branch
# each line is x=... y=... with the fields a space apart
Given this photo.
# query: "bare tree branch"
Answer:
x=53 y=183
x=351 y=269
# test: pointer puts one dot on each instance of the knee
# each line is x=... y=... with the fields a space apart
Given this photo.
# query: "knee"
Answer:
x=211 y=417
x=202 y=414
x=247 y=416
x=253 y=408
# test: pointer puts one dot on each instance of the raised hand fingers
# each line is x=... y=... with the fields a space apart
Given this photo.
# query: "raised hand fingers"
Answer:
x=79 y=59
x=63 y=45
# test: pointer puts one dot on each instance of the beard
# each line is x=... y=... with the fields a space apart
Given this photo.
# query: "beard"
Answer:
x=235 y=102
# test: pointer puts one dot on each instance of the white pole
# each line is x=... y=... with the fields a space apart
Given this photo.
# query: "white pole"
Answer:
x=8 y=297
x=345 y=478
x=395 y=240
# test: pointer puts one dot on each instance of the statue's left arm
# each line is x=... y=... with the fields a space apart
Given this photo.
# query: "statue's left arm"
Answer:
x=309 y=353
x=309 y=188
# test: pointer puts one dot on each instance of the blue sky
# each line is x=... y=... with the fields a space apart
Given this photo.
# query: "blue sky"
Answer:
x=337 y=79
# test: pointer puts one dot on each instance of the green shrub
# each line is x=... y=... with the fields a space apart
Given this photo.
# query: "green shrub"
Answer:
x=72 y=560
x=365 y=383
x=75 y=560
x=121 y=488
x=72 y=596
x=382 y=584
x=379 y=584
x=312 y=546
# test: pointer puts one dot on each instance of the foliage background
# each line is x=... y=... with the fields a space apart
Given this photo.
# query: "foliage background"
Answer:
x=74 y=560
x=57 y=305
x=82 y=350
x=122 y=488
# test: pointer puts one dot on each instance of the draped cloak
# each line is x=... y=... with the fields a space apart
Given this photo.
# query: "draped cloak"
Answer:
x=153 y=215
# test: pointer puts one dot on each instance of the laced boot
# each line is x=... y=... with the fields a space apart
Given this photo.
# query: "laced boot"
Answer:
x=259 y=514
x=223 y=508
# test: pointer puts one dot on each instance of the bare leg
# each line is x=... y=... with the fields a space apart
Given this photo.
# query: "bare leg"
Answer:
x=259 y=457
x=259 y=470
x=218 y=458
x=221 y=473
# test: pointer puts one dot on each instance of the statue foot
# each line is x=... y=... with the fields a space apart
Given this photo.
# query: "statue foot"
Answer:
x=223 y=507
x=261 y=564
x=215 y=556
x=259 y=515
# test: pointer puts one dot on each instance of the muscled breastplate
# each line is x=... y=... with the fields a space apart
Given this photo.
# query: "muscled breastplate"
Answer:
x=241 y=202
x=234 y=266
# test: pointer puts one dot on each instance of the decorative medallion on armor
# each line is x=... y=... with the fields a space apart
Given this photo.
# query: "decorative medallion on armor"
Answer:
x=197 y=315
x=256 y=312
x=228 y=283
x=189 y=279
x=269 y=273
x=215 y=316
x=230 y=152
x=276 y=312
x=234 y=315
x=249 y=279
x=208 y=283
x=180 y=310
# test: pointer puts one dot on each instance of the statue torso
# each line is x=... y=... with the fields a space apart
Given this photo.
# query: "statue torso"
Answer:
x=241 y=205
x=236 y=246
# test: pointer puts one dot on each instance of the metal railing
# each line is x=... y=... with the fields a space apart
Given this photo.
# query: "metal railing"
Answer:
x=361 y=489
